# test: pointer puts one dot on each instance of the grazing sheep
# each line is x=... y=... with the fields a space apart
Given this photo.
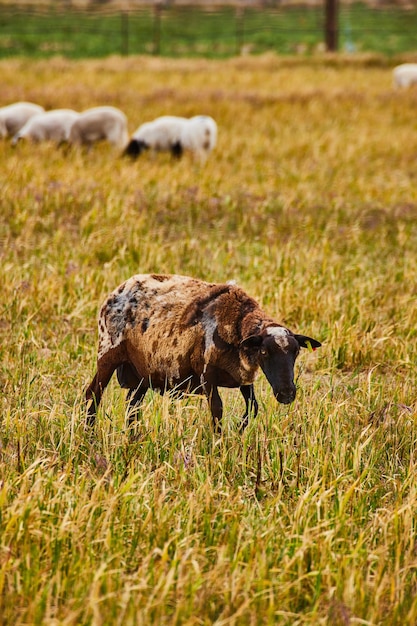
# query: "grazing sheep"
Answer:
x=161 y=135
x=405 y=75
x=175 y=333
x=199 y=136
x=53 y=125
x=14 y=116
x=98 y=124
x=175 y=134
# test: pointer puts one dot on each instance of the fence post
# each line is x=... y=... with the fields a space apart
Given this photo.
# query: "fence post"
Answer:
x=157 y=28
x=124 y=32
x=240 y=29
x=331 y=25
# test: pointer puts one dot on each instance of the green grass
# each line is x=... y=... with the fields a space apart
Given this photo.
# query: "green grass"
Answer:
x=310 y=203
x=194 y=32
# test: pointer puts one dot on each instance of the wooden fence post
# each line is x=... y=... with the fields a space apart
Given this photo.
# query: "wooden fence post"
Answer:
x=331 y=25
x=240 y=28
x=157 y=28
x=124 y=33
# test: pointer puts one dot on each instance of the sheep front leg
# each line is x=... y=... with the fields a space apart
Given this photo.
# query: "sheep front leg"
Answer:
x=177 y=150
x=252 y=406
x=216 y=408
x=208 y=385
x=129 y=379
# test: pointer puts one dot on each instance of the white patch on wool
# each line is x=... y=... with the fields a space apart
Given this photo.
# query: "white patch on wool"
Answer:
x=105 y=342
x=209 y=325
x=113 y=319
x=280 y=334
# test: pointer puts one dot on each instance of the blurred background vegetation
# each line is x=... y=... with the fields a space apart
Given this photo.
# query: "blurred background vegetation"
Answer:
x=99 y=29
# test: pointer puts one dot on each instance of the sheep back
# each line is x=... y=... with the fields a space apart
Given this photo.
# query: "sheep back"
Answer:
x=98 y=124
x=14 y=116
x=200 y=135
x=173 y=326
x=405 y=75
x=162 y=133
x=52 y=125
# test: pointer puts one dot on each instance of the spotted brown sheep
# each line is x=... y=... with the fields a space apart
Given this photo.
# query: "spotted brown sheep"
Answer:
x=179 y=333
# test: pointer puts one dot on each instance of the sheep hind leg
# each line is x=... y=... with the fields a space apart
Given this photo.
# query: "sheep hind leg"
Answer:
x=135 y=397
x=95 y=390
x=252 y=406
x=128 y=379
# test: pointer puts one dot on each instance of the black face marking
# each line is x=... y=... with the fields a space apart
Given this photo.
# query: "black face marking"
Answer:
x=135 y=148
x=177 y=149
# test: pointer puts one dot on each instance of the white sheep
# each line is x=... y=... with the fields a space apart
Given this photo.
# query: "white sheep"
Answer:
x=161 y=135
x=98 y=124
x=405 y=75
x=175 y=134
x=14 y=116
x=199 y=135
x=53 y=125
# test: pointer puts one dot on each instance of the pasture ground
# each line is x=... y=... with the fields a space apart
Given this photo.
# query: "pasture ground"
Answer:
x=310 y=203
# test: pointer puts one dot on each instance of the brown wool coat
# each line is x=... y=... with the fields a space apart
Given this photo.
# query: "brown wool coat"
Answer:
x=174 y=326
x=176 y=332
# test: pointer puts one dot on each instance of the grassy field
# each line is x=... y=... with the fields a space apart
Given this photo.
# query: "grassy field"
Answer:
x=178 y=31
x=310 y=203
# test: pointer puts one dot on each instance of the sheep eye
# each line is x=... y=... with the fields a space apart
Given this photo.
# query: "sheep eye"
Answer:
x=264 y=352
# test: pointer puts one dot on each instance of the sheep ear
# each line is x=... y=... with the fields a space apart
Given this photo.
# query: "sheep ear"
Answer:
x=307 y=342
x=253 y=342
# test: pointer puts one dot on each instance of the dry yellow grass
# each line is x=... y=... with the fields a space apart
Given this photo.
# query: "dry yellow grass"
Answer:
x=310 y=203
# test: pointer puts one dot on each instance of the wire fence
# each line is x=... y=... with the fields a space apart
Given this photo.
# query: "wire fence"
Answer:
x=198 y=31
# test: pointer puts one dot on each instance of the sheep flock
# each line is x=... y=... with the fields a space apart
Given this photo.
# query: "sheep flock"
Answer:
x=196 y=135
x=29 y=121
